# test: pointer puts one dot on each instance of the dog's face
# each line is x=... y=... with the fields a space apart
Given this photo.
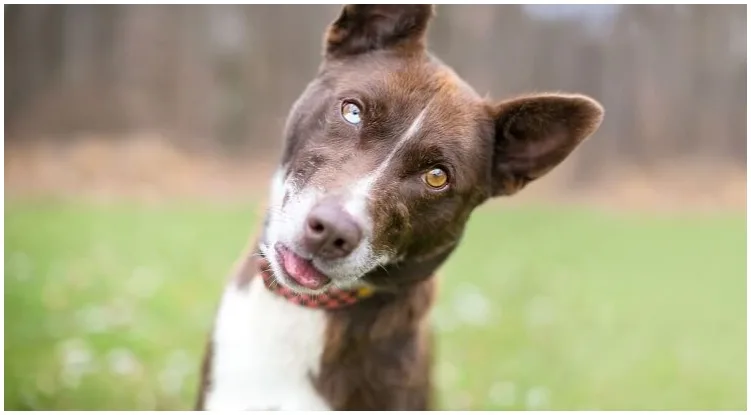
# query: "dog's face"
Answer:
x=387 y=153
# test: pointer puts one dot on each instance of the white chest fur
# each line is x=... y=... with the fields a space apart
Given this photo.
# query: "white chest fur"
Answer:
x=265 y=349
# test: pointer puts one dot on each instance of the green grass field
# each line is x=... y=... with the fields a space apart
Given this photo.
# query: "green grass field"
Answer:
x=107 y=307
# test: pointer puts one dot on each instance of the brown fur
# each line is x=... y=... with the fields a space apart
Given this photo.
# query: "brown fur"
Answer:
x=379 y=352
x=363 y=28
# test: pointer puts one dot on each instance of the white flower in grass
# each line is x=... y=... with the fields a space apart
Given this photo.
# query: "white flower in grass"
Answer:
x=443 y=321
x=77 y=360
x=538 y=398
x=93 y=319
x=144 y=282
x=122 y=362
x=447 y=375
x=471 y=306
x=178 y=367
x=503 y=393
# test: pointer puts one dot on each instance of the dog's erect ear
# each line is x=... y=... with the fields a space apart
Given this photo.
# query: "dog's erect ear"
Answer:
x=362 y=28
x=535 y=133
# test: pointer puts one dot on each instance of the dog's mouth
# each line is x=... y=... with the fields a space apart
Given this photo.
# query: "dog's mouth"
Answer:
x=300 y=270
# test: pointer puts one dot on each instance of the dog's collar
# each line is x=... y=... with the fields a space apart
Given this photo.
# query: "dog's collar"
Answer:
x=331 y=299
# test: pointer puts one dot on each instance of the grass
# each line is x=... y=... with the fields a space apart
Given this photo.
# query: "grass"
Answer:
x=107 y=307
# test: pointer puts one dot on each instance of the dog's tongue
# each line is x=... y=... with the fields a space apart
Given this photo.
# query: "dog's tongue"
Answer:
x=302 y=271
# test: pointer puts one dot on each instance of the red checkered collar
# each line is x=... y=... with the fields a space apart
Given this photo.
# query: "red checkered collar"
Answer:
x=332 y=299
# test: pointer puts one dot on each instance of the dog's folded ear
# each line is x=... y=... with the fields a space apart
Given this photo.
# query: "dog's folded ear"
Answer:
x=534 y=134
x=366 y=27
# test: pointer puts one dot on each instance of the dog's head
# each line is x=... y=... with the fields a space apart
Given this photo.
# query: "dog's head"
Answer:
x=388 y=151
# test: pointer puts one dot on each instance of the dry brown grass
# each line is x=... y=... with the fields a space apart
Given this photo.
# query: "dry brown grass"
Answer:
x=145 y=168
x=148 y=168
x=677 y=186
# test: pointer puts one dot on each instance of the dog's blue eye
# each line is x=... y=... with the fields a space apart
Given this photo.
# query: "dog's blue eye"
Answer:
x=351 y=113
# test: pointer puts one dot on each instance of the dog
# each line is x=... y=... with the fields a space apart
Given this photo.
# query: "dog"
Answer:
x=387 y=152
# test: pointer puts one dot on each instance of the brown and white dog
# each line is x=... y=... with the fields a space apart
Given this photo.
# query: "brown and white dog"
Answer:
x=387 y=153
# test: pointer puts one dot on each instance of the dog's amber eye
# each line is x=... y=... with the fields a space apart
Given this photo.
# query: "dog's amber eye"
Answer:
x=436 y=178
x=351 y=113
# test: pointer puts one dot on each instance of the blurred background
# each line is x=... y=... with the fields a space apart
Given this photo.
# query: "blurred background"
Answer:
x=139 y=141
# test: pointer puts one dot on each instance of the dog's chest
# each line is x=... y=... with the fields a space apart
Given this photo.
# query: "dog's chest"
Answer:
x=266 y=351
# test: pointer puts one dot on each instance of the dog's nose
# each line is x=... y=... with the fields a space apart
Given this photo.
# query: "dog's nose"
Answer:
x=330 y=232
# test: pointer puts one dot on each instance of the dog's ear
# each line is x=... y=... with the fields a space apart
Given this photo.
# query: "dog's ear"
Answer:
x=362 y=28
x=534 y=134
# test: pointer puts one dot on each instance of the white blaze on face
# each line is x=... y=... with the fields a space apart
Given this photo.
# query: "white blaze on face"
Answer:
x=357 y=205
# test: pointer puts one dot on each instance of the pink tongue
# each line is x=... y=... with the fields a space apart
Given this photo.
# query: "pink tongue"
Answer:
x=303 y=272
